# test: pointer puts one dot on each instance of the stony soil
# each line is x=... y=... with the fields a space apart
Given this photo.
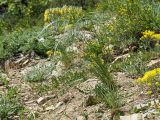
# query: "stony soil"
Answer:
x=78 y=102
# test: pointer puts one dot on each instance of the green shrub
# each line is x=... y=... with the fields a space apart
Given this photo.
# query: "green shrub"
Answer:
x=26 y=41
x=38 y=73
x=66 y=13
x=132 y=18
x=27 y=13
x=21 y=13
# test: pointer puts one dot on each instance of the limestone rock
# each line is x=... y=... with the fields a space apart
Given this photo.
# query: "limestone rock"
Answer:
x=80 y=118
x=132 y=117
x=154 y=64
x=42 y=100
x=52 y=107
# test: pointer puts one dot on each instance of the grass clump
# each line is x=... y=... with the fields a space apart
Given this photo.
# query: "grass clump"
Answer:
x=107 y=90
x=10 y=104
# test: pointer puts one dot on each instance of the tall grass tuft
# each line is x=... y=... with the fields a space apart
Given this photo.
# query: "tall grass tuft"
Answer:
x=107 y=90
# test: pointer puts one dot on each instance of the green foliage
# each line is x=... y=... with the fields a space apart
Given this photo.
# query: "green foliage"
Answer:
x=132 y=18
x=21 y=13
x=26 y=42
x=109 y=97
x=61 y=83
x=3 y=80
x=27 y=13
x=135 y=63
x=38 y=73
x=10 y=104
x=107 y=90
x=70 y=77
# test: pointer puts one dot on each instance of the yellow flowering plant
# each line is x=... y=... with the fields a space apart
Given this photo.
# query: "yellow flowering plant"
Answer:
x=151 y=38
x=147 y=34
x=50 y=53
x=151 y=80
x=150 y=35
x=69 y=13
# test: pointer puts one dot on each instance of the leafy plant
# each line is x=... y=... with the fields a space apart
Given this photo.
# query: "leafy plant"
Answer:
x=25 y=42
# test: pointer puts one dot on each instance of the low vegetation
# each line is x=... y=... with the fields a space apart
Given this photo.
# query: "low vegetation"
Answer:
x=79 y=43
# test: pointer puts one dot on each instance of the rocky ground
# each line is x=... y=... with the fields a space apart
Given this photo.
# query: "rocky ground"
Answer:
x=79 y=102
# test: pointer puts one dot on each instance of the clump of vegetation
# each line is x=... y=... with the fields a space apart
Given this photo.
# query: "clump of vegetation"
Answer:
x=132 y=18
x=10 y=104
x=150 y=39
x=151 y=79
x=150 y=82
x=38 y=73
x=72 y=37
x=68 y=13
x=107 y=91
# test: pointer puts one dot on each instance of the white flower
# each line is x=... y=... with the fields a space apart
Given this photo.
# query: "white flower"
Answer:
x=41 y=40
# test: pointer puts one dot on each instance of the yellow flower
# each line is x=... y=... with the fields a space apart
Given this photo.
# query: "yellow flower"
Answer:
x=139 y=81
x=147 y=34
x=122 y=11
x=46 y=12
x=150 y=74
x=149 y=84
x=70 y=11
x=149 y=92
x=157 y=84
x=58 y=53
x=49 y=53
x=156 y=36
x=144 y=78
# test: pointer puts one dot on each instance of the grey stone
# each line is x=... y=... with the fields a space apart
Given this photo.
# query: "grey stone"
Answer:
x=132 y=117
x=42 y=100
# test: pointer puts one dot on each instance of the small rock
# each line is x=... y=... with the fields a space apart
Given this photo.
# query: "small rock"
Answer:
x=29 y=102
x=121 y=57
x=1 y=83
x=130 y=100
x=55 y=74
x=25 y=62
x=52 y=107
x=132 y=117
x=88 y=85
x=154 y=64
x=42 y=100
x=80 y=118
x=126 y=108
